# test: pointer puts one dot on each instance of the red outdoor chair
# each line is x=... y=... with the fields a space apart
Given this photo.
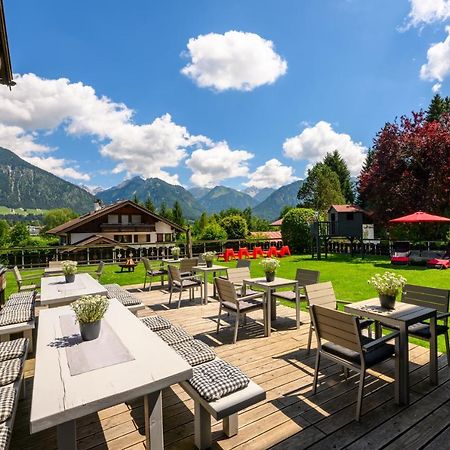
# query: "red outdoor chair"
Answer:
x=243 y=253
x=229 y=254
x=272 y=252
x=257 y=251
x=284 y=251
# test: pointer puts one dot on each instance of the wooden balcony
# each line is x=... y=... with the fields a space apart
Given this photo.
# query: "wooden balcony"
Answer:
x=291 y=417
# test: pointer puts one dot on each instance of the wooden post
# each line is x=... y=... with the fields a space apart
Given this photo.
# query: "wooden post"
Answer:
x=189 y=242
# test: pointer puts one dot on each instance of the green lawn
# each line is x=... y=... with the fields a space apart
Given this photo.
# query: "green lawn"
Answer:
x=348 y=275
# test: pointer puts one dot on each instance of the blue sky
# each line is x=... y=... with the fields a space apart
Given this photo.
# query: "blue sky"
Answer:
x=268 y=87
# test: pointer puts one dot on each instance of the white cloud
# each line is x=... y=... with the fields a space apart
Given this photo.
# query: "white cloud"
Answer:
x=428 y=11
x=271 y=174
x=211 y=166
x=438 y=65
x=57 y=167
x=233 y=60
x=313 y=143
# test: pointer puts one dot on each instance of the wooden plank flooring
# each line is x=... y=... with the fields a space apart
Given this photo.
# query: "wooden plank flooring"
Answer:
x=291 y=417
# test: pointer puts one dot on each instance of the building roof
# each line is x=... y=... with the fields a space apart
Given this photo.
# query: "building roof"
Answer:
x=71 y=224
x=6 y=76
x=347 y=208
x=96 y=239
x=267 y=234
x=277 y=223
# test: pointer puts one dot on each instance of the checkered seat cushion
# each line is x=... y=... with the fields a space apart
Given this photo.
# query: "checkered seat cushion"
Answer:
x=124 y=297
x=195 y=352
x=7 y=399
x=5 y=434
x=21 y=298
x=217 y=379
x=156 y=323
x=13 y=349
x=9 y=371
x=10 y=314
x=174 y=335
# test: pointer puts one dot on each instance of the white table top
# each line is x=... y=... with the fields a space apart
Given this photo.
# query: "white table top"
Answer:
x=277 y=282
x=213 y=268
x=59 y=397
x=56 y=292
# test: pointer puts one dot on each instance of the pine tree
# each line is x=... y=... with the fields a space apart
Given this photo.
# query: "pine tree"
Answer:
x=149 y=204
x=177 y=214
x=438 y=106
x=337 y=164
x=165 y=212
x=136 y=200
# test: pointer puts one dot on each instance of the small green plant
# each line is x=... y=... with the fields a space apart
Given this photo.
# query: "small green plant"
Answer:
x=209 y=256
x=90 y=308
x=387 y=283
x=270 y=265
x=175 y=252
x=69 y=267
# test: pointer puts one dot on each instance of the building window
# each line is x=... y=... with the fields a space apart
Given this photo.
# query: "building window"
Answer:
x=333 y=217
x=124 y=219
x=135 y=238
x=168 y=237
x=125 y=238
x=350 y=216
x=136 y=218
x=113 y=218
x=159 y=237
x=147 y=238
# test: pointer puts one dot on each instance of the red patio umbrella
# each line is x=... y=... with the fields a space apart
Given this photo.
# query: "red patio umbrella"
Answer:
x=420 y=216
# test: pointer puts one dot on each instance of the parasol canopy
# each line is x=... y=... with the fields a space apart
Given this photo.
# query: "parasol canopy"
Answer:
x=420 y=216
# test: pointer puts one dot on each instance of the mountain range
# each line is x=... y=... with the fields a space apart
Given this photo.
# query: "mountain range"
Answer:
x=23 y=185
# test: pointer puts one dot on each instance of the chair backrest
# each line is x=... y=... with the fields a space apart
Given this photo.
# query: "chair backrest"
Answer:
x=238 y=275
x=426 y=296
x=337 y=327
x=55 y=264
x=226 y=290
x=101 y=266
x=147 y=264
x=321 y=294
x=187 y=264
x=201 y=260
x=243 y=263
x=17 y=275
x=305 y=276
x=174 y=273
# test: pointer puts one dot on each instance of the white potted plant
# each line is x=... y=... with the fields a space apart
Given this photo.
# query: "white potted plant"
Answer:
x=209 y=258
x=175 y=252
x=89 y=311
x=69 y=269
x=270 y=266
x=388 y=285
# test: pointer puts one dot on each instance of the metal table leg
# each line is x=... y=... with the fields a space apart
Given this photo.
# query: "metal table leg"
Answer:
x=297 y=305
x=433 y=353
x=268 y=321
x=205 y=288
x=154 y=434
x=403 y=365
x=66 y=434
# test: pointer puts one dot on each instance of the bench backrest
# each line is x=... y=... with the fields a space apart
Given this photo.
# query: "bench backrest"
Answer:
x=55 y=264
x=426 y=296
x=321 y=294
x=238 y=275
x=305 y=277
x=226 y=291
x=187 y=264
x=337 y=327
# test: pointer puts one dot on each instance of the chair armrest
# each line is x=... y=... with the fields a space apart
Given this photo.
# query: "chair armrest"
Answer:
x=378 y=342
x=252 y=296
x=442 y=315
x=343 y=302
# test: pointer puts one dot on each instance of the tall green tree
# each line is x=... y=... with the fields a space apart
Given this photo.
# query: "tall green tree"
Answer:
x=235 y=227
x=321 y=189
x=296 y=229
x=177 y=214
x=136 y=200
x=165 y=212
x=19 y=234
x=337 y=164
x=438 y=106
x=58 y=216
x=149 y=204
x=4 y=233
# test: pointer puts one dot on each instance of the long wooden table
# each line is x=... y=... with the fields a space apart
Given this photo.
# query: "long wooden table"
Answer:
x=56 y=292
x=60 y=398
x=400 y=318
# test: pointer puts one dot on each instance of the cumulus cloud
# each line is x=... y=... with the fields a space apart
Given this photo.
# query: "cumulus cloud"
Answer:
x=271 y=174
x=233 y=60
x=313 y=143
x=37 y=105
x=438 y=62
x=428 y=11
x=211 y=166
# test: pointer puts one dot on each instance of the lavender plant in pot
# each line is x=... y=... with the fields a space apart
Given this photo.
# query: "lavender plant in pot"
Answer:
x=69 y=269
x=270 y=266
x=89 y=311
x=209 y=258
x=388 y=285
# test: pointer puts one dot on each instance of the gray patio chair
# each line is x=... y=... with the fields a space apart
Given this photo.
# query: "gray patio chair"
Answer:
x=151 y=272
x=322 y=294
x=243 y=263
x=183 y=283
x=237 y=277
x=21 y=286
x=186 y=266
x=230 y=302
x=99 y=270
x=346 y=346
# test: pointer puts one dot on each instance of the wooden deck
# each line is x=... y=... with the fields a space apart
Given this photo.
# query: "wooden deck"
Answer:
x=290 y=417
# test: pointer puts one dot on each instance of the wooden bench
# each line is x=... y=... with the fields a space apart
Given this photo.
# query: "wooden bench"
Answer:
x=226 y=409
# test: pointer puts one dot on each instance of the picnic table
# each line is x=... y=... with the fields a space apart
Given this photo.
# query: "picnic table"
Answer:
x=56 y=292
x=270 y=303
x=400 y=318
x=73 y=379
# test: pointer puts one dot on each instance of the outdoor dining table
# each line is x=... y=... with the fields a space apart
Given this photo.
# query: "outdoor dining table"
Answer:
x=400 y=318
x=270 y=302
x=205 y=270
x=73 y=378
x=56 y=292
